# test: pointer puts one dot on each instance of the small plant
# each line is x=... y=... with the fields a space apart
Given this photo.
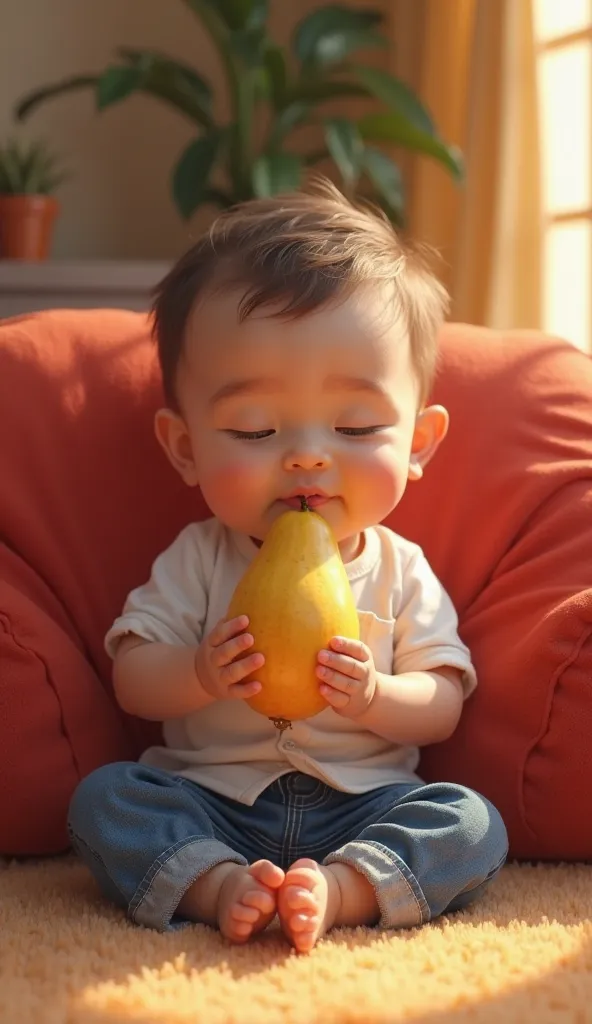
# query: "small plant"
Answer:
x=28 y=169
x=273 y=93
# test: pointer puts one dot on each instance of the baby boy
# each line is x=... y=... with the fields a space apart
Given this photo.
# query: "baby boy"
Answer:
x=297 y=342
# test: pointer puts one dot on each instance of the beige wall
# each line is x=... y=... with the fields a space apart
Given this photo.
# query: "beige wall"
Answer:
x=116 y=203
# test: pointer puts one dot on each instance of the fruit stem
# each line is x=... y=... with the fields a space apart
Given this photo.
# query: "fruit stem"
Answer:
x=304 y=506
x=281 y=723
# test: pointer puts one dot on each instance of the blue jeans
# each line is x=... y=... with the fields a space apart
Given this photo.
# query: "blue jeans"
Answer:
x=147 y=835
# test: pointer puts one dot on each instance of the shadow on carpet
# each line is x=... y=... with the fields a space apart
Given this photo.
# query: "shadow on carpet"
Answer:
x=523 y=954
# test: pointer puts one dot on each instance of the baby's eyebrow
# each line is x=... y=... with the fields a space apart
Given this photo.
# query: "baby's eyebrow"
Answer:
x=343 y=382
x=247 y=386
x=272 y=385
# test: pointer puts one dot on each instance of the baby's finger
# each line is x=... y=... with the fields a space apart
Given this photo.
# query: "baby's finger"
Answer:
x=237 y=670
x=354 y=648
x=231 y=649
x=343 y=664
x=242 y=690
x=335 y=698
x=225 y=629
x=336 y=679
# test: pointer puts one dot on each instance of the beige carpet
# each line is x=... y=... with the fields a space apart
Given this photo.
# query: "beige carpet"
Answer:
x=524 y=954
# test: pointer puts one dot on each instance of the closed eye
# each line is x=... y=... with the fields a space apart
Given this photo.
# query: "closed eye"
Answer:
x=360 y=431
x=249 y=435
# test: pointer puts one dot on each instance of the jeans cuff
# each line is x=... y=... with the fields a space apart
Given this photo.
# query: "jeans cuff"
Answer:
x=400 y=900
x=168 y=879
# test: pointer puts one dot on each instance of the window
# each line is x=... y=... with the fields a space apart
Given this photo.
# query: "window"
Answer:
x=563 y=30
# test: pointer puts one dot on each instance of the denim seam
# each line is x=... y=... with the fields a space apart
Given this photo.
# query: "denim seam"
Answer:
x=157 y=865
x=319 y=795
x=310 y=804
x=398 y=865
x=170 y=909
x=291 y=819
x=342 y=837
x=266 y=842
x=161 y=862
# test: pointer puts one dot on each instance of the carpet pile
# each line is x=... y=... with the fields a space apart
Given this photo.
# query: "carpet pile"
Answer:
x=523 y=954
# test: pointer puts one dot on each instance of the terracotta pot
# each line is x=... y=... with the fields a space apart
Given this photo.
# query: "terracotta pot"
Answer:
x=26 y=226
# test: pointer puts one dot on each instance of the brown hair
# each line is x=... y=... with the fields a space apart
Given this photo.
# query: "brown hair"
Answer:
x=297 y=252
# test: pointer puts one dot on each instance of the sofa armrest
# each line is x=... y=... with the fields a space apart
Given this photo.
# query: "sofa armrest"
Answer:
x=524 y=737
x=57 y=723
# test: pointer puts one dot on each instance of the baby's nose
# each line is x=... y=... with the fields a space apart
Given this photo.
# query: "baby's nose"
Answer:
x=307 y=459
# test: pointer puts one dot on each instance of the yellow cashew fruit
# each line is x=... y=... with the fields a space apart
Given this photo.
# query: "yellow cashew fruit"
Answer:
x=297 y=596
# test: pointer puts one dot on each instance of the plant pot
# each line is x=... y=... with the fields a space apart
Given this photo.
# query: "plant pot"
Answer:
x=26 y=226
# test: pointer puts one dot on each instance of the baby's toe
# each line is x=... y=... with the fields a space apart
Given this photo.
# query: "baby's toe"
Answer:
x=239 y=912
x=262 y=901
x=300 y=899
x=267 y=873
x=303 y=923
x=239 y=930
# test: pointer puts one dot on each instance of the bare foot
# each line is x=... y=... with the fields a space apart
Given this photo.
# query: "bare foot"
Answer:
x=308 y=903
x=247 y=899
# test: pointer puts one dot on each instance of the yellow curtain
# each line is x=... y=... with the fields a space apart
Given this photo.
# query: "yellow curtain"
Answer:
x=473 y=64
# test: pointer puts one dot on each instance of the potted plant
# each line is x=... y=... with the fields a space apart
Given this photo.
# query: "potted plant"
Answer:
x=28 y=177
x=273 y=93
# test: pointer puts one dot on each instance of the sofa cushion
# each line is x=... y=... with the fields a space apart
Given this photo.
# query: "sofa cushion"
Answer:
x=88 y=500
x=505 y=515
x=57 y=721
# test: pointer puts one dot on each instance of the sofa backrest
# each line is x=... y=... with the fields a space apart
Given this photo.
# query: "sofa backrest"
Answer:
x=504 y=513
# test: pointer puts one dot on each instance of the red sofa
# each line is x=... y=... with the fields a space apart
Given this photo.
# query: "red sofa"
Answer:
x=504 y=515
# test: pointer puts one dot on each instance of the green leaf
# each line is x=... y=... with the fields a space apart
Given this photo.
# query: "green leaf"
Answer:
x=276 y=172
x=346 y=148
x=211 y=18
x=34 y=99
x=395 y=128
x=319 y=91
x=116 y=83
x=300 y=101
x=208 y=11
x=240 y=14
x=395 y=94
x=181 y=77
x=249 y=46
x=28 y=169
x=277 y=74
x=285 y=122
x=174 y=83
x=257 y=12
x=386 y=178
x=191 y=175
x=318 y=32
x=338 y=45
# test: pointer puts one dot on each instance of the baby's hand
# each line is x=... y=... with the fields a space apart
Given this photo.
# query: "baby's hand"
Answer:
x=217 y=670
x=348 y=676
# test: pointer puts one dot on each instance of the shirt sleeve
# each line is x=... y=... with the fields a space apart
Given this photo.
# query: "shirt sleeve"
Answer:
x=426 y=625
x=171 y=607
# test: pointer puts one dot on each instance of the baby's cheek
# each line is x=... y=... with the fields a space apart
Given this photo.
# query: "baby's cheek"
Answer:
x=230 y=481
x=382 y=477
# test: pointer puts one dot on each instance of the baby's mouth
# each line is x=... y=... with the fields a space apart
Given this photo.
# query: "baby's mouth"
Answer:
x=312 y=500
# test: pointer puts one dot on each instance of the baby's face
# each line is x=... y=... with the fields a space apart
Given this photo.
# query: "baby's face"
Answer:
x=324 y=406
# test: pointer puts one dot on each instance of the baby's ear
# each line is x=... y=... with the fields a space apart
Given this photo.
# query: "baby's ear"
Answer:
x=173 y=436
x=431 y=427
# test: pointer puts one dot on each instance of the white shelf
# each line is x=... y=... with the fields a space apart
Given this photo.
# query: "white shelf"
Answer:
x=77 y=284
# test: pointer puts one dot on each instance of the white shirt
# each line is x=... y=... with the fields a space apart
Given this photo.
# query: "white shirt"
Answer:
x=406 y=619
